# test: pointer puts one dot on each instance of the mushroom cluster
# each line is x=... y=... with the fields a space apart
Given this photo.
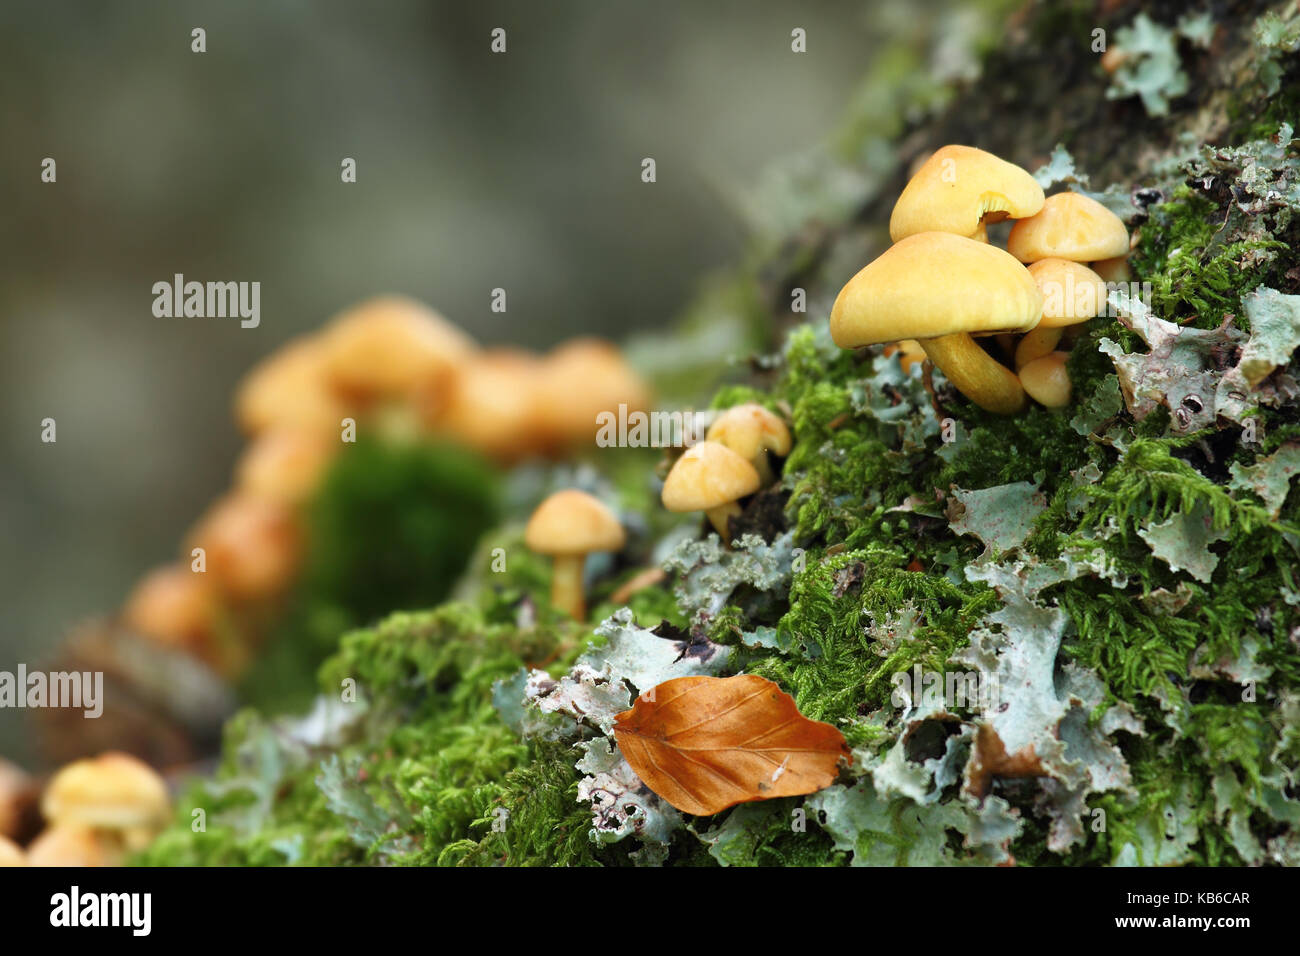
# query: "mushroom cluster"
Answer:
x=942 y=283
x=391 y=365
x=96 y=812
x=714 y=475
x=730 y=464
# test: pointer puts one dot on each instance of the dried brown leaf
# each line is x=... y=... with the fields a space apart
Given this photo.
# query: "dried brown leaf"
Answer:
x=708 y=743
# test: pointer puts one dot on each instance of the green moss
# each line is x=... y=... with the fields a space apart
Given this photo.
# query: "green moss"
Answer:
x=392 y=526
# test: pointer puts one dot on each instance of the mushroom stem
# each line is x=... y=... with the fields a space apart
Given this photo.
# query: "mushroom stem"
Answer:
x=975 y=373
x=721 y=517
x=1037 y=343
x=765 y=473
x=566 y=585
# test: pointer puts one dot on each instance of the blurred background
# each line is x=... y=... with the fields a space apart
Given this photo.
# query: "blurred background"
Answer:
x=475 y=171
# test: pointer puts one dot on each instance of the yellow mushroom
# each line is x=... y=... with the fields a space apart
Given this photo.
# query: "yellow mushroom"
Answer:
x=578 y=381
x=289 y=389
x=909 y=352
x=1069 y=226
x=752 y=432
x=568 y=526
x=119 y=798
x=176 y=607
x=251 y=546
x=1072 y=293
x=941 y=289
x=1047 y=381
x=958 y=190
x=11 y=854
x=712 y=478
x=492 y=406
x=1115 y=269
x=285 y=465
x=71 y=844
x=392 y=347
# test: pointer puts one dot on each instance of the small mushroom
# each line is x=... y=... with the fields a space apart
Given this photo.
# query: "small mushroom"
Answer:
x=116 y=795
x=940 y=289
x=289 y=389
x=712 y=478
x=909 y=352
x=392 y=347
x=285 y=465
x=71 y=844
x=1047 y=381
x=1115 y=269
x=580 y=380
x=492 y=406
x=11 y=854
x=752 y=432
x=251 y=546
x=1069 y=226
x=958 y=190
x=1072 y=293
x=176 y=607
x=568 y=526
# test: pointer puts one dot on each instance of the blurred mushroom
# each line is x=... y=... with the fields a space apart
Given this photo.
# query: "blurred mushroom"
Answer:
x=289 y=389
x=11 y=854
x=492 y=406
x=392 y=347
x=251 y=544
x=712 y=478
x=941 y=288
x=568 y=526
x=578 y=381
x=71 y=844
x=113 y=791
x=285 y=465
x=909 y=351
x=752 y=432
x=1115 y=269
x=176 y=607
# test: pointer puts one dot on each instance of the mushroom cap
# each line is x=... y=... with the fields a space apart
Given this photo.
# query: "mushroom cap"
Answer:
x=112 y=791
x=708 y=474
x=391 y=345
x=581 y=379
x=750 y=429
x=492 y=405
x=956 y=188
x=1046 y=380
x=173 y=606
x=1072 y=292
x=934 y=284
x=289 y=389
x=73 y=844
x=251 y=544
x=11 y=854
x=285 y=464
x=573 y=522
x=1115 y=269
x=1069 y=226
